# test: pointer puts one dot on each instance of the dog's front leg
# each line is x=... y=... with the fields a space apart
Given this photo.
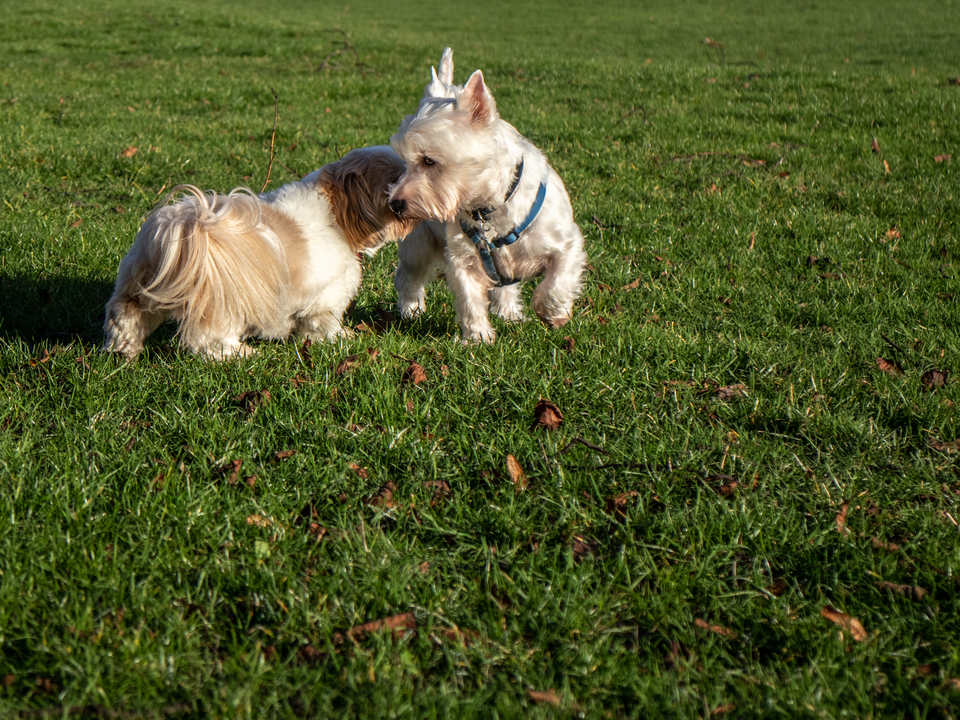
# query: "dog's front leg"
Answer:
x=553 y=299
x=470 y=286
x=506 y=303
x=420 y=257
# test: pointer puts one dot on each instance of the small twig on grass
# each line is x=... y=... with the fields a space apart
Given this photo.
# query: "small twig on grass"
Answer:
x=892 y=344
x=346 y=49
x=273 y=138
x=583 y=442
x=631 y=111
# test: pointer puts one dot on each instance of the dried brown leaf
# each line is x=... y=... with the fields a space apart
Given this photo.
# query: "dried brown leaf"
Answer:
x=842 y=519
x=617 y=504
x=879 y=544
x=361 y=472
x=582 y=547
x=933 y=379
x=778 y=588
x=253 y=400
x=569 y=343
x=548 y=697
x=129 y=152
x=414 y=374
x=891 y=367
x=875 y=146
x=517 y=475
x=634 y=285
x=284 y=454
x=948 y=447
x=893 y=233
x=848 y=623
x=942 y=158
x=404 y=621
x=731 y=392
x=915 y=591
x=373 y=353
x=345 y=365
x=723 y=709
x=383 y=498
x=719 y=629
x=231 y=471
x=440 y=488
x=259 y=521
x=547 y=415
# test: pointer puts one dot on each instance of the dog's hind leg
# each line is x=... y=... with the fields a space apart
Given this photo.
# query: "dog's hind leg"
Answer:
x=554 y=297
x=127 y=324
x=420 y=258
x=506 y=303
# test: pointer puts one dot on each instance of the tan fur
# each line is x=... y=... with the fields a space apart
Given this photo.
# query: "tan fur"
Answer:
x=229 y=266
x=357 y=190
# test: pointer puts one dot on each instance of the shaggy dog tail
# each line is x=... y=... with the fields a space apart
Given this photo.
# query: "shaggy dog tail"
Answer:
x=211 y=257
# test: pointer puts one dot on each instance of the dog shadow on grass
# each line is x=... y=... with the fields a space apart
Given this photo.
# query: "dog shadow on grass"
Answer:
x=42 y=311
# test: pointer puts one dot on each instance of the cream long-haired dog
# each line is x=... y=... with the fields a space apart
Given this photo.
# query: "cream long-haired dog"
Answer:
x=497 y=212
x=226 y=267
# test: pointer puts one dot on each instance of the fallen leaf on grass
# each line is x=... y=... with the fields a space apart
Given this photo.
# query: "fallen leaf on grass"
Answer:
x=259 y=520
x=723 y=709
x=404 y=621
x=547 y=415
x=617 y=504
x=848 y=623
x=731 y=392
x=373 y=353
x=458 y=634
x=917 y=592
x=933 y=379
x=361 y=472
x=129 y=152
x=76 y=223
x=284 y=454
x=891 y=367
x=231 y=470
x=634 y=285
x=875 y=146
x=942 y=158
x=778 y=588
x=383 y=498
x=719 y=629
x=569 y=343
x=582 y=547
x=947 y=447
x=440 y=488
x=547 y=696
x=879 y=544
x=893 y=233
x=517 y=475
x=414 y=374
x=886 y=167
x=842 y=519
x=952 y=683
x=309 y=655
x=253 y=400
x=298 y=381
x=345 y=365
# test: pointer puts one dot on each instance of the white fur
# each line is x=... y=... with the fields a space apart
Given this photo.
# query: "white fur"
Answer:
x=474 y=155
x=226 y=267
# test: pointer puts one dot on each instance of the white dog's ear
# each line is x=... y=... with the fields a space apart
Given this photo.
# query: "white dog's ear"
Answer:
x=446 y=67
x=477 y=100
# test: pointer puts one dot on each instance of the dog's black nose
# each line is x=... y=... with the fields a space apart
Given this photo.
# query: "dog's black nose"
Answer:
x=398 y=207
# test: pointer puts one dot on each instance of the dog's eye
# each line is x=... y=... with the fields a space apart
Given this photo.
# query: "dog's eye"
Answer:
x=428 y=161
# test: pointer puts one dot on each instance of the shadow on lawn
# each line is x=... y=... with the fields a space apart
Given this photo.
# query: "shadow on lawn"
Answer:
x=43 y=310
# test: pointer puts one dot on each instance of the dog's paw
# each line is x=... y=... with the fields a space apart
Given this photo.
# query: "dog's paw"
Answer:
x=511 y=315
x=409 y=311
x=482 y=337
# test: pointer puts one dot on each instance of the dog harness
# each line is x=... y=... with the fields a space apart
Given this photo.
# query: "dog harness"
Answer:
x=481 y=217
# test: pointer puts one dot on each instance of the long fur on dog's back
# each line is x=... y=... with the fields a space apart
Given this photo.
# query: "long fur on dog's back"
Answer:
x=213 y=260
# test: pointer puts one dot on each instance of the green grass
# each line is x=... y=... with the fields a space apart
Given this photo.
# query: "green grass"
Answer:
x=135 y=577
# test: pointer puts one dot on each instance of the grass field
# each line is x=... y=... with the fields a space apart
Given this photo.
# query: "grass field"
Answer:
x=762 y=369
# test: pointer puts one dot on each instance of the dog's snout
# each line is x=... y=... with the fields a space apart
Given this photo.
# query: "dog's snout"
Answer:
x=398 y=206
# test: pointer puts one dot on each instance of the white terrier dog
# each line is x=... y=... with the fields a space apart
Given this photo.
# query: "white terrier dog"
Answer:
x=231 y=266
x=504 y=214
